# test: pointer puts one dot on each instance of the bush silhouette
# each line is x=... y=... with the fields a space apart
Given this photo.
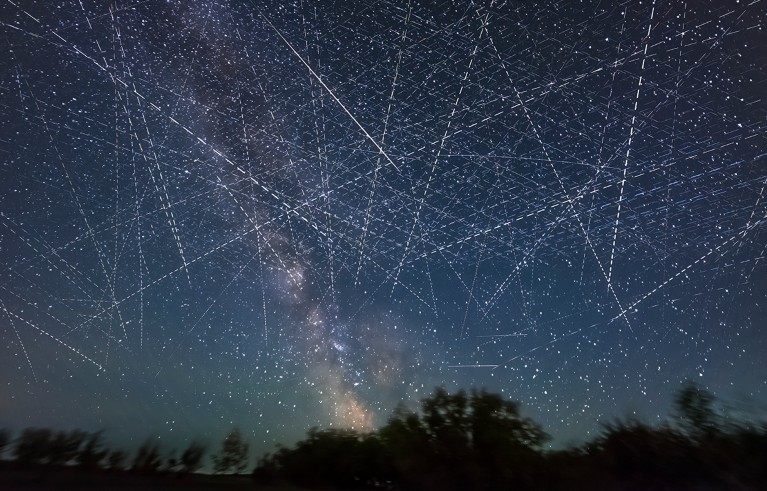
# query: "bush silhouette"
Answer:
x=147 y=459
x=694 y=412
x=116 y=460
x=338 y=457
x=233 y=456
x=191 y=458
x=92 y=453
x=65 y=446
x=33 y=446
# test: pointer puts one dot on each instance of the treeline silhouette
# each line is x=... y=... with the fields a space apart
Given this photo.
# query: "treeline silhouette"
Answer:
x=42 y=447
x=456 y=441
x=480 y=441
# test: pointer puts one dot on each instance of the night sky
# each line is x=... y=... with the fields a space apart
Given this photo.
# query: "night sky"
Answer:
x=281 y=215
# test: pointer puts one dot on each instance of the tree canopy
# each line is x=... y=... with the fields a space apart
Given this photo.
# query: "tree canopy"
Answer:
x=233 y=456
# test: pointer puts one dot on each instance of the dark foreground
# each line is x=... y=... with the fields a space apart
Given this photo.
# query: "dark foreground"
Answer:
x=13 y=478
x=74 y=479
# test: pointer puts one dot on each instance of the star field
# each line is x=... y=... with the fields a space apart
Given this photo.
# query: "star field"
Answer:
x=281 y=215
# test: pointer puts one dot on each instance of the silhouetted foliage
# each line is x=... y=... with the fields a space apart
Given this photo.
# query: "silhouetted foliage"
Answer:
x=697 y=452
x=171 y=463
x=407 y=446
x=33 y=446
x=92 y=452
x=116 y=459
x=147 y=459
x=233 y=456
x=65 y=446
x=42 y=446
x=480 y=441
x=642 y=453
x=266 y=471
x=338 y=457
x=5 y=439
x=191 y=458
x=694 y=410
x=462 y=442
x=458 y=441
x=500 y=436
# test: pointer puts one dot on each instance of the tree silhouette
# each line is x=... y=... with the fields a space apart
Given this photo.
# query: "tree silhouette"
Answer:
x=407 y=447
x=267 y=470
x=92 y=453
x=634 y=451
x=233 y=456
x=33 y=446
x=341 y=458
x=448 y=424
x=694 y=411
x=171 y=463
x=147 y=459
x=504 y=443
x=65 y=446
x=455 y=442
x=191 y=458
x=461 y=442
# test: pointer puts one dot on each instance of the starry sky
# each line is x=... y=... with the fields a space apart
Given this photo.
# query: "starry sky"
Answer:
x=281 y=215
